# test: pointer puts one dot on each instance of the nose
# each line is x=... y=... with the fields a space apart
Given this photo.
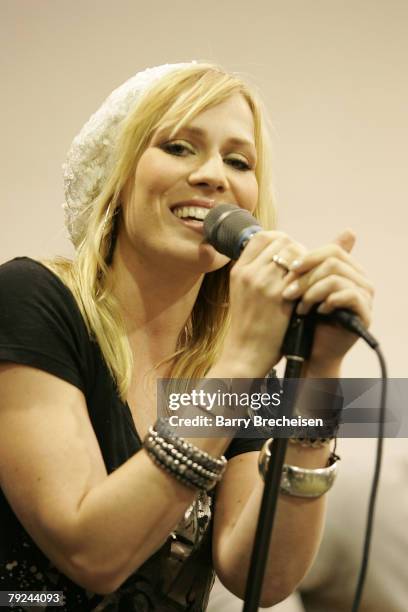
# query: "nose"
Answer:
x=210 y=174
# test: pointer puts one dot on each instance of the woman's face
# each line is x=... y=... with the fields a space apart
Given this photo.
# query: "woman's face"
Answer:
x=210 y=161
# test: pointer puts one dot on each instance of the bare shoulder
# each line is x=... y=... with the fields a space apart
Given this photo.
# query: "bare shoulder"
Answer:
x=49 y=455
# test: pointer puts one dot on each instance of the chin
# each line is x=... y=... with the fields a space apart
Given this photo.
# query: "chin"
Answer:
x=210 y=260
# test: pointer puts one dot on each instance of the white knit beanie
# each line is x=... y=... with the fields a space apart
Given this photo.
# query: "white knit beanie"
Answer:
x=89 y=159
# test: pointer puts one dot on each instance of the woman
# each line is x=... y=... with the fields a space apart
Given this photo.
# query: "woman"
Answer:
x=88 y=508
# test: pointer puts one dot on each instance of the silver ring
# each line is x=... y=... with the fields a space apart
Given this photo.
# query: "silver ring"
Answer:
x=282 y=263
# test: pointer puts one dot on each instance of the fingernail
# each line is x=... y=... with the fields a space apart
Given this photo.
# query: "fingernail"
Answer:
x=296 y=263
x=291 y=289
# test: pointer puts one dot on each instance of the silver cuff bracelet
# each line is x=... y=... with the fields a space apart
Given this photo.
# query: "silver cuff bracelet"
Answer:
x=298 y=481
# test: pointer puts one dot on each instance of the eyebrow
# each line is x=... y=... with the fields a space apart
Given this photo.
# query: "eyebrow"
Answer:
x=201 y=133
x=240 y=142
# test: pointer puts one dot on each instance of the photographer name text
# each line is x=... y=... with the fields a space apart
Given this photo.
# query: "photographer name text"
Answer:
x=254 y=421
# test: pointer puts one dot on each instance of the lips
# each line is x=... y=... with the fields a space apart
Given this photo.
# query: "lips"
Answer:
x=191 y=213
x=197 y=213
x=196 y=208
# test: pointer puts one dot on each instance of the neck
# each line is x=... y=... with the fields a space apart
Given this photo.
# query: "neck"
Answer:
x=156 y=302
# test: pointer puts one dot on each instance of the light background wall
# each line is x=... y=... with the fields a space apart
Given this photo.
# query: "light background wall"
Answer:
x=334 y=77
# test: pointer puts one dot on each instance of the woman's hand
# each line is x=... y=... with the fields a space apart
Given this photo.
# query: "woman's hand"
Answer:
x=329 y=276
x=259 y=313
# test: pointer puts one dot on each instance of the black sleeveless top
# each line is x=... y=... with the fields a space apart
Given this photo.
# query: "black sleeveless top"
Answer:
x=42 y=326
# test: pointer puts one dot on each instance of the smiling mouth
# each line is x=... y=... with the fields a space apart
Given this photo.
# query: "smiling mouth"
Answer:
x=191 y=213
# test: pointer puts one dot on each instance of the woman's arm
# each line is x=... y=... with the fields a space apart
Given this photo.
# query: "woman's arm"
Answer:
x=297 y=528
x=296 y=533
x=96 y=528
x=328 y=276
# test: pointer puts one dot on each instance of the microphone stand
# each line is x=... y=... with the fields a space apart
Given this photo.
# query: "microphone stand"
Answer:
x=296 y=348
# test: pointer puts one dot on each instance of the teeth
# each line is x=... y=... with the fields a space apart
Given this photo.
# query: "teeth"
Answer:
x=195 y=212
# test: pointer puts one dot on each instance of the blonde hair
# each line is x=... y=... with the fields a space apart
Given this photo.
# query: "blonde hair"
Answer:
x=170 y=103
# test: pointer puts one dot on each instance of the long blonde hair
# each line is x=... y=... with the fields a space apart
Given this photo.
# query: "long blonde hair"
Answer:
x=171 y=102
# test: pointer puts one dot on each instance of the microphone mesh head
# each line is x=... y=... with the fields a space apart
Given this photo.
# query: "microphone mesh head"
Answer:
x=223 y=226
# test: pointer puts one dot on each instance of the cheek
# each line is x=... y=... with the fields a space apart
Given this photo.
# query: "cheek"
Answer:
x=249 y=194
x=147 y=174
x=154 y=173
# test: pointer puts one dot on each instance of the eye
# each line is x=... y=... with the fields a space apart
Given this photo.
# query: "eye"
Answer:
x=238 y=164
x=176 y=148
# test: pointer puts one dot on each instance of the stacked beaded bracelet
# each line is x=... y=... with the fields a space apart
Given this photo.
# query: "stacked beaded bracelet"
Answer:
x=189 y=464
x=311 y=442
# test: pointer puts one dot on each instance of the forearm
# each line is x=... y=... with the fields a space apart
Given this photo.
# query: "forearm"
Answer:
x=123 y=520
x=319 y=397
x=298 y=521
x=295 y=538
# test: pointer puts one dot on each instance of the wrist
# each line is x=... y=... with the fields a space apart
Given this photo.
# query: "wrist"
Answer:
x=231 y=367
x=307 y=457
x=323 y=369
x=238 y=364
x=298 y=480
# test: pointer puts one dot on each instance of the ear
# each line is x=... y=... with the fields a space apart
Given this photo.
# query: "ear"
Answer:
x=346 y=239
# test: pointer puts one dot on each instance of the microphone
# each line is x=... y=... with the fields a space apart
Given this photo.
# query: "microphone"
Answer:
x=228 y=229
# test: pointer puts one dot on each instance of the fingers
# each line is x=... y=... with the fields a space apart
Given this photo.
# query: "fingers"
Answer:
x=332 y=270
x=263 y=245
x=317 y=256
x=257 y=263
x=329 y=276
x=327 y=291
x=342 y=288
x=346 y=240
x=351 y=299
x=326 y=276
x=256 y=245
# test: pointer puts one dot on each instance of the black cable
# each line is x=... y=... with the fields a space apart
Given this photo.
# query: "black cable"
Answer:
x=374 y=486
